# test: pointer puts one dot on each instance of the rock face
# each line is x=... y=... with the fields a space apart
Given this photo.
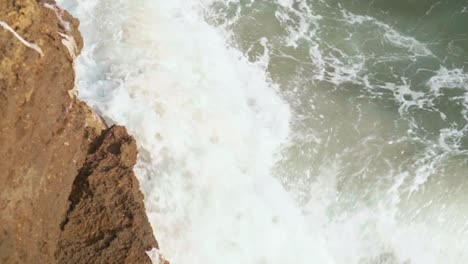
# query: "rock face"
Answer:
x=68 y=193
x=106 y=221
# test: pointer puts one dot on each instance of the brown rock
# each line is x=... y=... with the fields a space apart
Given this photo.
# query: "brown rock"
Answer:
x=45 y=136
x=106 y=221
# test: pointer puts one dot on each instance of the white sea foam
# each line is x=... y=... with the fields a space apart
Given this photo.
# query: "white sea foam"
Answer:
x=406 y=97
x=208 y=123
x=449 y=79
x=390 y=34
x=399 y=40
x=352 y=19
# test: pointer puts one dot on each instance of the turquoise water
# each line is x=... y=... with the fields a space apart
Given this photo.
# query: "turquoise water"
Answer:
x=290 y=131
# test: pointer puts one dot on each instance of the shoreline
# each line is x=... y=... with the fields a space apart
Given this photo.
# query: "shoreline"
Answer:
x=69 y=191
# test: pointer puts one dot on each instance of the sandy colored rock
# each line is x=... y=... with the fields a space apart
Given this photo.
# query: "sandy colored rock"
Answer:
x=46 y=135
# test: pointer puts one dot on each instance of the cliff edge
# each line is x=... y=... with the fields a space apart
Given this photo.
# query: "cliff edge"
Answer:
x=68 y=192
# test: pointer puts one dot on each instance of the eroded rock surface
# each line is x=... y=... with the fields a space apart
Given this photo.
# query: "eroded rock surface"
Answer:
x=46 y=135
x=106 y=221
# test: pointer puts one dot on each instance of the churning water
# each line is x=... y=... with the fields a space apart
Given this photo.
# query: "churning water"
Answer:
x=290 y=131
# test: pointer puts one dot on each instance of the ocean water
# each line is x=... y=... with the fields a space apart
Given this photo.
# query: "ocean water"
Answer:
x=290 y=131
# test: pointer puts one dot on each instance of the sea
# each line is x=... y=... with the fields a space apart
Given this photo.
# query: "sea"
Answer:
x=289 y=131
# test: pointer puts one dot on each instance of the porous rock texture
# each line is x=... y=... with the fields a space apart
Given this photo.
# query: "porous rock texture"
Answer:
x=106 y=220
x=67 y=190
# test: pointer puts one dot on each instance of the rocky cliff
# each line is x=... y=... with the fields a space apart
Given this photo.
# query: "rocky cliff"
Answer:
x=68 y=193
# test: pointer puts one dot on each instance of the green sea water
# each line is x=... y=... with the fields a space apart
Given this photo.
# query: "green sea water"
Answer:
x=379 y=91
